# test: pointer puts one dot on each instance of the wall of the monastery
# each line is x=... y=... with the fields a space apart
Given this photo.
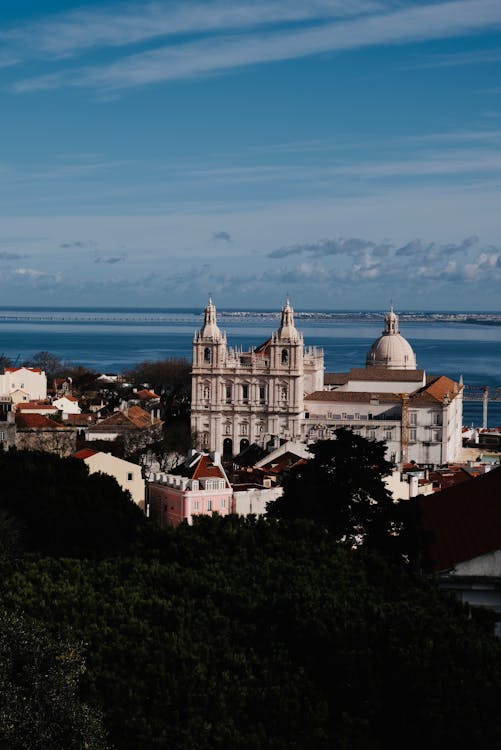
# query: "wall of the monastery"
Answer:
x=435 y=432
x=381 y=386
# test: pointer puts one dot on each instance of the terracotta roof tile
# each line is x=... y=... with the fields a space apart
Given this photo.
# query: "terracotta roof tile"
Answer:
x=435 y=391
x=26 y=405
x=335 y=378
x=84 y=453
x=387 y=376
x=36 y=421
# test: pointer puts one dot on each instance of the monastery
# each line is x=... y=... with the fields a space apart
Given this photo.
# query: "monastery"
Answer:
x=279 y=391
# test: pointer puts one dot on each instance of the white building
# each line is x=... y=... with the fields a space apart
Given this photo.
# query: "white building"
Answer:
x=127 y=474
x=67 y=405
x=25 y=383
x=278 y=391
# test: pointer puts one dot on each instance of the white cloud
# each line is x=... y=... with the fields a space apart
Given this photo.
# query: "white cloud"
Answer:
x=74 y=32
x=222 y=53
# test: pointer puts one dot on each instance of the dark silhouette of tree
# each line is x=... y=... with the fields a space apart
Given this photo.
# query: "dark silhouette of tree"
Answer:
x=83 y=380
x=170 y=379
x=62 y=510
x=39 y=703
x=258 y=634
x=342 y=489
x=50 y=363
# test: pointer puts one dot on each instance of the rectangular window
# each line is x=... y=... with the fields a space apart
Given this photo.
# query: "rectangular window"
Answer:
x=412 y=436
x=195 y=505
x=262 y=394
x=209 y=504
x=437 y=418
x=130 y=476
x=223 y=503
x=372 y=434
x=245 y=393
x=413 y=418
x=2 y=436
x=437 y=436
x=228 y=394
x=388 y=435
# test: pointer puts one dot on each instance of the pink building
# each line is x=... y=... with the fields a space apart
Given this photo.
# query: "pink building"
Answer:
x=198 y=487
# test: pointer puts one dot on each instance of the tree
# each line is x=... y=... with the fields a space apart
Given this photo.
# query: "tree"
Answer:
x=253 y=634
x=39 y=703
x=169 y=378
x=82 y=378
x=50 y=363
x=62 y=510
x=342 y=489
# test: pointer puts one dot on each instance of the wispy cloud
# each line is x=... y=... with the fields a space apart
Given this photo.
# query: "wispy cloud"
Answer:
x=4 y=255
x=77 y=31
x=220 y=53
x=110 y=259
x=454 y=59
x=224 y=236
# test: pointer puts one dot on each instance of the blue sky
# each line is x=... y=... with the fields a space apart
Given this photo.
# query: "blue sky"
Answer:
x=343 y=152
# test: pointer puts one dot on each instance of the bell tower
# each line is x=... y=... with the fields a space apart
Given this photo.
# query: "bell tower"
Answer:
x=209 y=344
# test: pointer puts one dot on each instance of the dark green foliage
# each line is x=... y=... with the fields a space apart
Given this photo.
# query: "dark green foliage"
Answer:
x=62 y=510
x=170 y=379
x=261 y=635
x=342 y=489
x=39 y=703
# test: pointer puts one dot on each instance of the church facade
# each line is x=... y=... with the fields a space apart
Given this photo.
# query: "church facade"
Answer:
x=278 y=391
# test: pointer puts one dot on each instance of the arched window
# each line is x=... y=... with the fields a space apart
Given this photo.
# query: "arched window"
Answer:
x=206 y=392
x=285 y=356
x=207 y=354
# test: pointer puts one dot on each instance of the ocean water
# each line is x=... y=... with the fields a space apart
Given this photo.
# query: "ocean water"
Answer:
x=111 y=340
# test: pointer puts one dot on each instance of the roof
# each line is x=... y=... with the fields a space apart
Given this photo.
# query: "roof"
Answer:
x=387 y=376
x=263 y=349
x=335 y=378
x=146 y=395
x=84 y=453
x=80 y=420
x=141 y=418
x=16 y=369
x=357 y=397
x=41 y=406
x=465 y=520
x=36 y=422
x=435 y=391
x=135 y=419
x=199 y=466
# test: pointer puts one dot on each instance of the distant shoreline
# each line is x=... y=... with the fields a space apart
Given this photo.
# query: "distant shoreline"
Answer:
x=67 y=313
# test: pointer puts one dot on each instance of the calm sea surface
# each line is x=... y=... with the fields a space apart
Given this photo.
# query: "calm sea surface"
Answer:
x=110 y=340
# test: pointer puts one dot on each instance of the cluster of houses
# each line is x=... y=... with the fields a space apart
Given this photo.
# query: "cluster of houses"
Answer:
x=254 y=414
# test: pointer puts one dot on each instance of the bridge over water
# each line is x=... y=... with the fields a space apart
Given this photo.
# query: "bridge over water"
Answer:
x=481 y=393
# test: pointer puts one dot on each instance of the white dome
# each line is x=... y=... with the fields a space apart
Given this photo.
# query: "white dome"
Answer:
x=391 y=350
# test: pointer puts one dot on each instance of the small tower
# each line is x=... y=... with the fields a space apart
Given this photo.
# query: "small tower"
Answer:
x=209 y=344
x=286 y=348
